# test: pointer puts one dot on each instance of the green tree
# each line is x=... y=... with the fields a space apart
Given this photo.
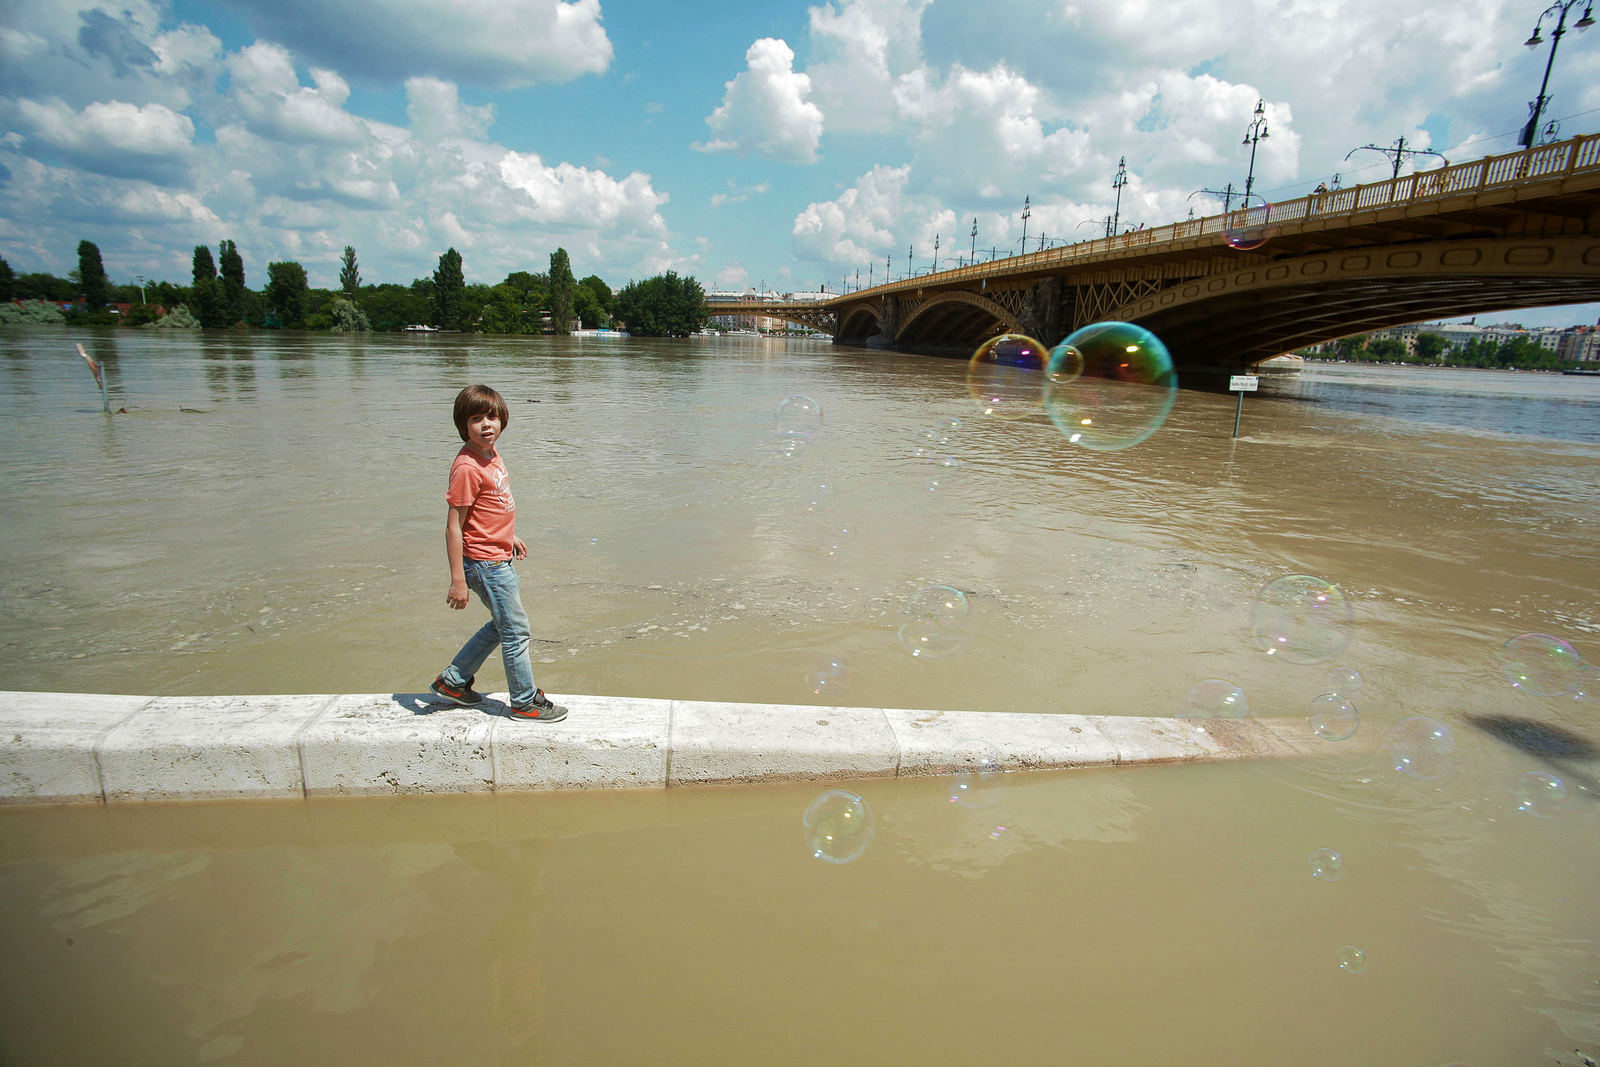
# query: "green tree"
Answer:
x=449 y=291
x=562 y=284
x=349 y=273
x=663 y=306
x=287 y=293
x=347 y=316
x=1387 y=350
x=207 y=290
x=233 y=289
x=1430 y=346
x=8 y=283
x=586 y=307
x=92 y=281
x=38 y=286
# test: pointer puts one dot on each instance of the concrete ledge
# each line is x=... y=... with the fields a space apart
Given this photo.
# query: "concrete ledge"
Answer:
x=65 y=747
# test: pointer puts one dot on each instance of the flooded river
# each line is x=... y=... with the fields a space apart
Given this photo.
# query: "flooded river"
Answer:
x=266 y=516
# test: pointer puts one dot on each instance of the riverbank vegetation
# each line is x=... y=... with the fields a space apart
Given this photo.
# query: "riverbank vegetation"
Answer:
x=217 y=296
x=1432 y=350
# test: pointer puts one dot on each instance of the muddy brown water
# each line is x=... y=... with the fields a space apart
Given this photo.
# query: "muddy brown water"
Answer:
x=266 y=518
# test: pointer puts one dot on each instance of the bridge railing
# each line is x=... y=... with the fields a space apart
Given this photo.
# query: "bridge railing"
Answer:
x=1577 y=155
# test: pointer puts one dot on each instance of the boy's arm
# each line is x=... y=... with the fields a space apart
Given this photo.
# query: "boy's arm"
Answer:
x=457 y=596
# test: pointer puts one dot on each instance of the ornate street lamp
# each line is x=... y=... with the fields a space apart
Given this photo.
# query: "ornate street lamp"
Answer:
x=1027 y=213
x=1253 y=135
x=1537 y=105
x=974 y=255
x=1117 y=183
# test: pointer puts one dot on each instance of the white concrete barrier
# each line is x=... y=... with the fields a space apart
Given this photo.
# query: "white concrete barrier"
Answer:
x=73 y=747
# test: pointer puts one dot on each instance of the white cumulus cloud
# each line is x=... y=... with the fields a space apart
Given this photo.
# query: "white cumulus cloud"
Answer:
x=568 y=197
x=765 y=111
x=114 y=138
x=859 y=224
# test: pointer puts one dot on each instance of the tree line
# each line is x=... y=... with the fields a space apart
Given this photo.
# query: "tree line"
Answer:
x=217 y=297
x=1430 y=349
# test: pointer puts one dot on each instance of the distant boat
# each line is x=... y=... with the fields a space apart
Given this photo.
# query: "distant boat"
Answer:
x=1582 y=373
x=601 y=332
x=419 y=328
x=1284 y=364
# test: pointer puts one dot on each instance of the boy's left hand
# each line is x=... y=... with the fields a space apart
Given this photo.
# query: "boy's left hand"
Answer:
x=519 y=549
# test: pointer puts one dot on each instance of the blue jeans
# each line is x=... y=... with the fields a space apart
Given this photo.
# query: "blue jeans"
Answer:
x=495 y=582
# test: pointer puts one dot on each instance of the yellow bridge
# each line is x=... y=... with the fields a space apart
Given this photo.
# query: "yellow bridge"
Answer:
x=1518 y=230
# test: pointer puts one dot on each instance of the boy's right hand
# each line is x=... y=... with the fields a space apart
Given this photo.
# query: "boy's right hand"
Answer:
x=457 y=596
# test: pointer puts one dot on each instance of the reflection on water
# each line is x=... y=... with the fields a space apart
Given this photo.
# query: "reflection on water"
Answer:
x=265 y=518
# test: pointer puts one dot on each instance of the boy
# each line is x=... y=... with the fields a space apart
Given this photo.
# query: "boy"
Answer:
x=481 y=542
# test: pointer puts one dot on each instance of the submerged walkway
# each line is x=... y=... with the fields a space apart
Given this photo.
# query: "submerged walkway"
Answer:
x=75 y=747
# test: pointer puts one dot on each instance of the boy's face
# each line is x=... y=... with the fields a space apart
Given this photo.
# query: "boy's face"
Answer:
x=482 y=432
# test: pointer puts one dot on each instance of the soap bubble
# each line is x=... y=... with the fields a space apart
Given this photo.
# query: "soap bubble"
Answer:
x=840 y=540
x=949 y=424
x=927 y=440
x=838 y=826
x=1420 y=747
x=1352 y=959
x=818 y=494
x=1343 y=681
x=1540 y=794
x=799 y=410
x=1327 y=865
x=1333 y=718
x=974 y=765
x=940 y=468
x=1539 y=663
x=1587 y=688
x=935 y=622
x=1006 y=374
x=1065 y=365
x=1214 y=698
x=792 y=443
x=1250 y=226
x=1124 y=390
x=826 y=673
x=1301 y=618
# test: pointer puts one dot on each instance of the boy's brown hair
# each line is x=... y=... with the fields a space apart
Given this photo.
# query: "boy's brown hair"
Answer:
x=479 y=400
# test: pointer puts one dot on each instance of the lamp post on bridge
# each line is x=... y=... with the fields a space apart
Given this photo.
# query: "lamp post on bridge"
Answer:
x=1027 y=213
x=973 y=257
x=1254 y=134
x=1117 y=182
x=935 y=254
x=1537 y=105
x=1398 y=152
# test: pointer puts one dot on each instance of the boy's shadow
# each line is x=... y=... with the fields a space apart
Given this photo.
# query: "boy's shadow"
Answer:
x=428 y=703
x=1558 y=748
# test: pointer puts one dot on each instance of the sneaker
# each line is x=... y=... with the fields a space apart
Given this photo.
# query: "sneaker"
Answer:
x=540 y=709
x=456 y=694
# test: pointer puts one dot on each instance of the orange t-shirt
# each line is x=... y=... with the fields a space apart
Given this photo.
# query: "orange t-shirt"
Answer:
x=483 y=486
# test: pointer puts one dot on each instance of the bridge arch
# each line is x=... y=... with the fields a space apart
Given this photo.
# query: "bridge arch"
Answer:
x=859 y=321
x=956 y=317
x=1255 y=312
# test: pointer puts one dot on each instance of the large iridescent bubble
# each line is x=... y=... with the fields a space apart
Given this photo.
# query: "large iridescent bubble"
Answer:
x=1006 y=375
x=1109 y=386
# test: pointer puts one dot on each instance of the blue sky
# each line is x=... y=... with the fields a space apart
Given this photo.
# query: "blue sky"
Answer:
x=788 y=143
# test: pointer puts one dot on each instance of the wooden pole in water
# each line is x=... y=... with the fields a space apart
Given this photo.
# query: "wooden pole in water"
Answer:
x=99 y=378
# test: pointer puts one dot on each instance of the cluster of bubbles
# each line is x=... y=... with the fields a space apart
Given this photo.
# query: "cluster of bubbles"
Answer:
x=1250 y=226
x=935 y=621
x=798 y=421
x=1107 y=387
x=1301 y=618
x=838 y=826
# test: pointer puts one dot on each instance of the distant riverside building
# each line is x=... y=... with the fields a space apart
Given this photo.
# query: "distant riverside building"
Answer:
x=764 y=323
x=1575 y=343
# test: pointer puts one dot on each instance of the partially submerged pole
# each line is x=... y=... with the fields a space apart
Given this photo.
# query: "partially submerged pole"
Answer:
x=99 y=378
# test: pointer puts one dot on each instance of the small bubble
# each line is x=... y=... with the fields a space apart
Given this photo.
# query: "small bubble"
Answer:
x=1343 y=681
x=1352 y=959
x=838 y=826
x=1420 y=747
x=928 y=439
x=1214 y=698
x=1539 y=794
x=1301 y=618
x=826 y=673
x=840 y=540
x=799 y=408
x=949 y=424
x=940 y=468
x=974 y=765
x=935 y=622
x=1333 y=718
x=818 y=494
x=1327 y=865
x=1541 y=664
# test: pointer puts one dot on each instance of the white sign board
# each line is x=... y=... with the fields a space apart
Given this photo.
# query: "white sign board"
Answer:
x=1243 y=383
